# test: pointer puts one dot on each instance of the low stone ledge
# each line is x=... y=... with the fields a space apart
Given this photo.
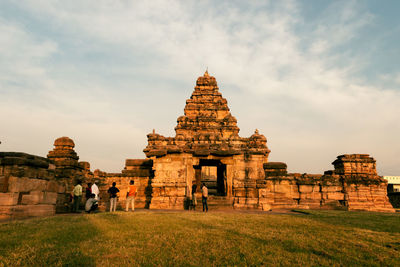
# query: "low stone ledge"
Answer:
x=139 y=162
x=275 y=165
x=24 y=159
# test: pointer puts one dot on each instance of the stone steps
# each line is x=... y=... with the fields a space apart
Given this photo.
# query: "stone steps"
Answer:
x=219 y=202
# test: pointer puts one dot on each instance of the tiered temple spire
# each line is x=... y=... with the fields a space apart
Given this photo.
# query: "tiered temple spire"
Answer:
x=207 y=126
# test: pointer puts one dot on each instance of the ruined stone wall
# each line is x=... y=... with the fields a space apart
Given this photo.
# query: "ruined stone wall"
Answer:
x=143 y=196
x=254 y=184
x=36 y=186
x=371 y=197
x=363 y=188
x=68 y=170
x=280 y=190
x=28 y=186
x=321 y=192
x=354 y=185
x=138 y=170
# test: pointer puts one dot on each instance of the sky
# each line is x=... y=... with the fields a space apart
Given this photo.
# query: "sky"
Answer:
x=317 y=78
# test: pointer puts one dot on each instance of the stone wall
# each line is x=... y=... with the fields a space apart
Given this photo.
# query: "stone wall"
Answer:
x=353 y=185
x=370 y=197
x=28 y=186
x=68 y=170
x=33 y=186
x=246 y=170
x=138 y=170
x=170 y=185
x=254 y=184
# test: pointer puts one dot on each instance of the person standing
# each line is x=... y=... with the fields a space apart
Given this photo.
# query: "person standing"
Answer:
x=88 y=192
x=95 y=190
x=130 y=195
x=204 y=197
x=194 y=200
x=77 y=193
x=113 y=191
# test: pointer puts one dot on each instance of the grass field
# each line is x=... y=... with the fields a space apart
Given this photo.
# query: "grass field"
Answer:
x=218 y=238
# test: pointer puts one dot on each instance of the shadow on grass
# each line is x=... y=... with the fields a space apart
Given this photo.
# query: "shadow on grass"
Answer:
x=40 y=242
x=320 y=248
x=287 y=245
x=374 y=221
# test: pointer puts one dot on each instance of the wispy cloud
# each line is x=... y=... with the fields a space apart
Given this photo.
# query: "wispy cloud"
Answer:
x=116 y=70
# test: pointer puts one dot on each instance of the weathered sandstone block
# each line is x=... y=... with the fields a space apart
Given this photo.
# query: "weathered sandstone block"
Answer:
x=16 y=184
x=8 y=199
x=34 y=197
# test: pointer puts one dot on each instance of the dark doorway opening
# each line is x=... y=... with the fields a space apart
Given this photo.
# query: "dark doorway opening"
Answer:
x=213 y=174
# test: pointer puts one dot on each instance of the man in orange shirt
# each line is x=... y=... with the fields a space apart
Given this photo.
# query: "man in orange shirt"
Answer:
x=130 y=195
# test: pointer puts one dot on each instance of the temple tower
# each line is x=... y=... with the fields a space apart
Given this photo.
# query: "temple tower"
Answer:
x=206 y=149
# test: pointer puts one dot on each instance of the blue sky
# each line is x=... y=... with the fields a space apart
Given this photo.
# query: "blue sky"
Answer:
x=317 y=78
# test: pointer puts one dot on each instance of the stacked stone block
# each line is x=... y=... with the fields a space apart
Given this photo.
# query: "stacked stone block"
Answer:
x=278 y=190
x=332 y=193
x=363 y=188
x=68 y=170
x=169 y=185
x=28 y=186
x=247 y=170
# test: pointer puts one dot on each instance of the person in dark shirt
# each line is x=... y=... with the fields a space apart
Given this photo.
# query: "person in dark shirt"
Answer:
x=113 y=191
x=88 y=192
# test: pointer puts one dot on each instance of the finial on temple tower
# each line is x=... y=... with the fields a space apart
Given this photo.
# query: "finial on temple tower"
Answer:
x=206 y=73
x=154 y=131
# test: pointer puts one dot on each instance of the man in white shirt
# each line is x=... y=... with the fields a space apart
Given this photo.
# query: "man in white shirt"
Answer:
x=204 y=197
x=95 y=190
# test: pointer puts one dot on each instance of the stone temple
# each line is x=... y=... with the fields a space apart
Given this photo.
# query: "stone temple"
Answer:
x=206 y=149
x=207 y=141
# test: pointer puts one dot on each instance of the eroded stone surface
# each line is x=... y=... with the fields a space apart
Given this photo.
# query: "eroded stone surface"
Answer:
x=28 y=186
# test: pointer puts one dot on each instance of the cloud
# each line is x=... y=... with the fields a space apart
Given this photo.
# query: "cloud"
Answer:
x=21 y=55
x=134 y=64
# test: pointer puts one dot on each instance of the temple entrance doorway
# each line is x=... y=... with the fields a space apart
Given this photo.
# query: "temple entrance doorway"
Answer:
x=213 y=174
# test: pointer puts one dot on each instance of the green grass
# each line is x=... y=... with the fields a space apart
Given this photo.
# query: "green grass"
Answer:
x=182 y=238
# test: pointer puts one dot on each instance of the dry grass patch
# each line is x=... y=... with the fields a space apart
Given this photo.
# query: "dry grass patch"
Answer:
x=183 y=238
